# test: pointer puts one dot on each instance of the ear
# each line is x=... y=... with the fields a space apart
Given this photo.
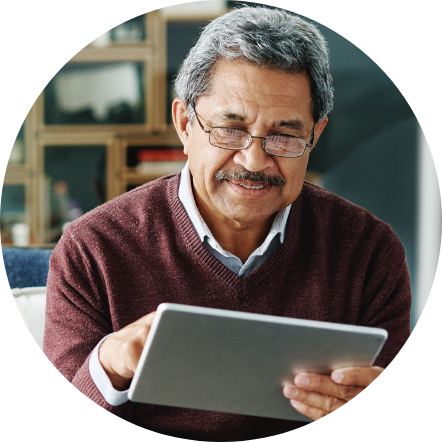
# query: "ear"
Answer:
x=180 y=118
x=319 y=127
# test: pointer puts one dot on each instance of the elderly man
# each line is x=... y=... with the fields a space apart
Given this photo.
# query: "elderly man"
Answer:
x=238 y=229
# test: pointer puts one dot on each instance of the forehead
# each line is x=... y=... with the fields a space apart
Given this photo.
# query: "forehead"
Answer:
x=252 y=91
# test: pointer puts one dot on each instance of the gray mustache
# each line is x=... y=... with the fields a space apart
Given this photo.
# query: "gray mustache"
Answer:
x=256 y=177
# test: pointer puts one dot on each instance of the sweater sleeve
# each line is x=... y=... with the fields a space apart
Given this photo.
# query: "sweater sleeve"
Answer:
x=77 y=318
x=386 y=301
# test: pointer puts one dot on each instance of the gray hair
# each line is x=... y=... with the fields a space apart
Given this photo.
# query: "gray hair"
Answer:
x=271 y=38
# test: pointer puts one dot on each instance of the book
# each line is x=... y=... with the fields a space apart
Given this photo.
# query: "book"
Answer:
x=145 y=155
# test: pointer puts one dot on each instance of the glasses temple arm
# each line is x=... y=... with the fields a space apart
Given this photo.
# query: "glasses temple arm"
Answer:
x=199 y=122
x=312 y=138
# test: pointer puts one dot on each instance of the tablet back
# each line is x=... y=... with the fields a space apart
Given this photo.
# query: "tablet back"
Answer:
x=235 y=362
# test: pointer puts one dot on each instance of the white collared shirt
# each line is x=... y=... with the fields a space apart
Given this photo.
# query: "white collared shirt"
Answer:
x=273 y=240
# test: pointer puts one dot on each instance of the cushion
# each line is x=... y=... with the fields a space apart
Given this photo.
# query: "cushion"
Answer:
x=26 y=267
x=31 y=302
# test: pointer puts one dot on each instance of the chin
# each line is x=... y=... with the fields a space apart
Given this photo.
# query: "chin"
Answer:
x=247 y=216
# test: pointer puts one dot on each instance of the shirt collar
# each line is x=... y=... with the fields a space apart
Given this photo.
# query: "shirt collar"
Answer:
x=187 y=199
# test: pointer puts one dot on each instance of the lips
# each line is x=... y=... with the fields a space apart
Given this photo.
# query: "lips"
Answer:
x=249 y=189
x=249 y=184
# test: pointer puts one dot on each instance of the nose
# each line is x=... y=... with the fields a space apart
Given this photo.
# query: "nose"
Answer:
x=254 y=158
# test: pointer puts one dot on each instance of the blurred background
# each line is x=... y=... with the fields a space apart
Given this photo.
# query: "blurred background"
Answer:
x=103 y=126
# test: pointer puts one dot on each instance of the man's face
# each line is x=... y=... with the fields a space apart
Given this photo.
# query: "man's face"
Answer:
x=262 y=102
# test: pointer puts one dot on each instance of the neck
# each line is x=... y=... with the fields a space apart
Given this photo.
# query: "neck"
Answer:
x=237 y=237
x=240 y=239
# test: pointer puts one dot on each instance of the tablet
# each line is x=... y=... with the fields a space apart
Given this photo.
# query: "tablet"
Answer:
x=234 y=362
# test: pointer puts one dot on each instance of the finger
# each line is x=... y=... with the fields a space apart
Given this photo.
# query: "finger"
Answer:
x=361 y=376
x=144 y=320
x=313 y=399
x=307 y=410
x=120 y=353
x=133 y=342
x=323 y=384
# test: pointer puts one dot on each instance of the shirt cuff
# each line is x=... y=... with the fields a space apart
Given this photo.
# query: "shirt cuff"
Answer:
x=102 y=381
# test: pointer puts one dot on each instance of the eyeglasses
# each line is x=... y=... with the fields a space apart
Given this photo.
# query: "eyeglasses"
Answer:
x=238 y=139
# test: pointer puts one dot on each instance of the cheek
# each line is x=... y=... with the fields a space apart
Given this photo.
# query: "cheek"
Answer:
x=205 y=162
x=294 y=173
x=215 y=159
x=291 y=168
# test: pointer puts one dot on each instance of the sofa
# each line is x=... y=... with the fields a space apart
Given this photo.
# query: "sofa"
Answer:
x=27 y=272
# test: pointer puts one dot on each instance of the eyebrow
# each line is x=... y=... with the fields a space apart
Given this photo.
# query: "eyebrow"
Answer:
x=232 y=116
x=291 y=124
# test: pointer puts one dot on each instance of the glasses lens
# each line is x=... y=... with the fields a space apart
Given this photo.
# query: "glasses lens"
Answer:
x=285 y=145
x=228 y=138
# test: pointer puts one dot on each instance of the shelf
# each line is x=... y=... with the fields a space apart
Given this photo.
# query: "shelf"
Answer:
x=154 y=168
x=81 y=113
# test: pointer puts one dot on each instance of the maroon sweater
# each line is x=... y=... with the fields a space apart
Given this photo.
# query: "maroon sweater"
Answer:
x=118 y=262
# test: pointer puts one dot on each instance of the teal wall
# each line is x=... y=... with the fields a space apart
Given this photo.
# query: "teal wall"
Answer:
x=369 y=149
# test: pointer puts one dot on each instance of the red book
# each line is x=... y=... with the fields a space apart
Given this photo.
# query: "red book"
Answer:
x=161 y=155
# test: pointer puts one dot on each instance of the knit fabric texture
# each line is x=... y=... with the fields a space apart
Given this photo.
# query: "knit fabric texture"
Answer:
x=338 y=263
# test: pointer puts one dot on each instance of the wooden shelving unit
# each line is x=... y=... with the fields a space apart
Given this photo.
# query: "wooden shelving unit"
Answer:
x=114 y=139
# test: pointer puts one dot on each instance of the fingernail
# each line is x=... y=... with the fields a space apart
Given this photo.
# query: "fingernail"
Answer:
x=295 y=403
x=337 y=376
x=291 y=392
x=302 y=380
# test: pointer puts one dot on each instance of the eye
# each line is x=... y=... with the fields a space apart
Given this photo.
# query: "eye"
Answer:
x=232 y=134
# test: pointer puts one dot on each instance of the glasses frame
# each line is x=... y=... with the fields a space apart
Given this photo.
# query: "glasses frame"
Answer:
x=264 y=139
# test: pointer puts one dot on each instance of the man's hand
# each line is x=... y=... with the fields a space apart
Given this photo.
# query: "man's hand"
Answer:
x=120 y=353
x=317 y=395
